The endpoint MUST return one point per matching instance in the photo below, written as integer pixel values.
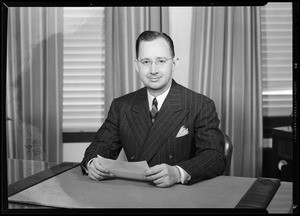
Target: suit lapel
(169, 116)
(139, 117)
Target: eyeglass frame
(151, 61)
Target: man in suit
(181, 140)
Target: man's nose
(153, 68)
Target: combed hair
(152, 35)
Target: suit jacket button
(170, 157)
(132, 157)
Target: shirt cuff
(88, 163)
(184, 176)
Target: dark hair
(150, 36)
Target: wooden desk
(73, 190)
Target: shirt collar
(160, 99)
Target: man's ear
(136, 65)
(175, 63)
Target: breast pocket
(182, 142)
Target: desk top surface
(73, 190)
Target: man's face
(155, 65)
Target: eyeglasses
(159, 61)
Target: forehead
(153, 49)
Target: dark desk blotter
(260, 194)
(39, 177)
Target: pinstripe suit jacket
(128, 125)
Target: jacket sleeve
(106, 142)
(209, 160)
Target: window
(84, 64)
(277, 59)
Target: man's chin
(154, 85)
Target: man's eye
(146, 62)
(161, 61)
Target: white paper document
(123, 169)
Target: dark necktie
(154, 109)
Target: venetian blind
(277, 59)
(84, 64)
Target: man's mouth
(154, 79)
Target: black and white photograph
(141, 108)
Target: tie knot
(154, 102)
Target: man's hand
(163, 175)
(97, 171)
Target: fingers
(97, 171)
(163, 175)
(94, 176)
(163, 184)
(154, 172)
(99, 168)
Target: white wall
(73, 152)
(180, 32)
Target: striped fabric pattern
(128, 125)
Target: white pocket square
(182, 132)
